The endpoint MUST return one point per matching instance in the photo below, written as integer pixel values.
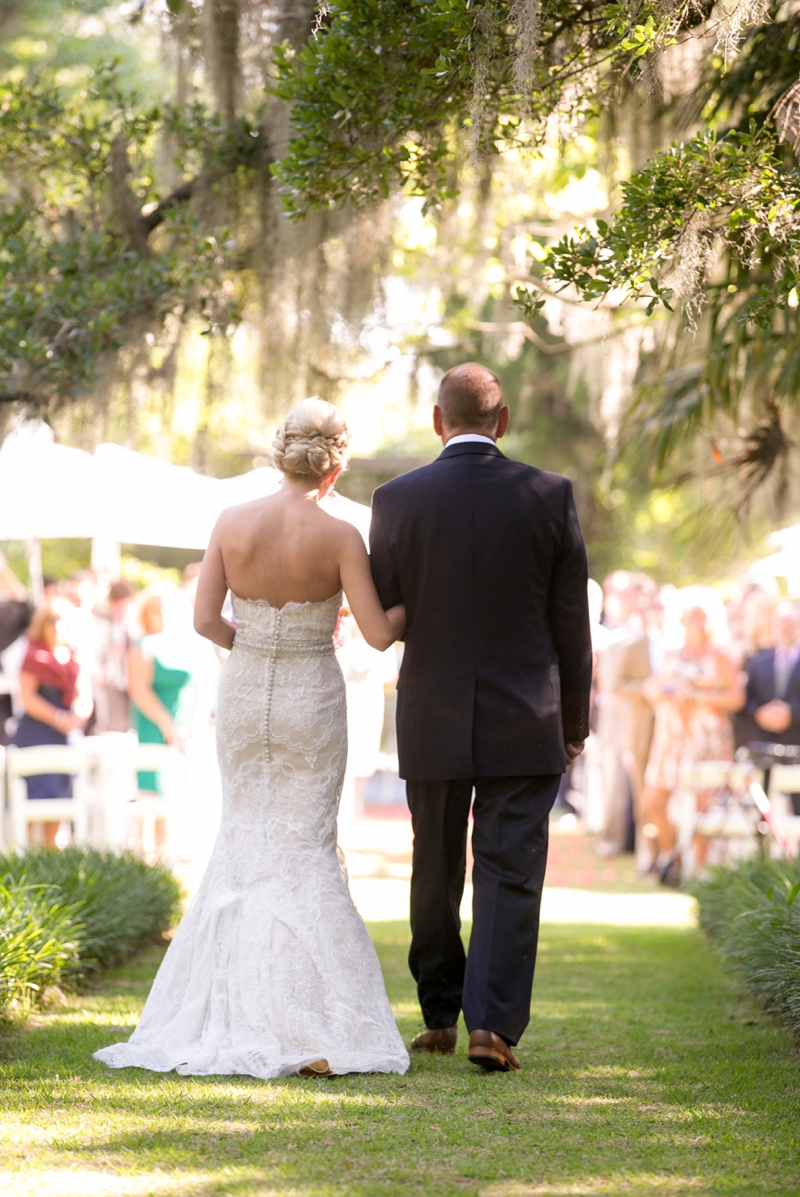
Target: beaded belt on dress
(280, 648)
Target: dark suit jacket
(760, 671)
(487, 555)
(14, 619)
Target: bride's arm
(212, 588)
(378, 627)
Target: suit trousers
(493, 982)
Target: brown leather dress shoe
(443, 1040)
(491, 1052)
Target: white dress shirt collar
(465, 438)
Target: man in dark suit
(487, 555)
(772, 703)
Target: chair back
(22, 810)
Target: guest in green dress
(160, 684)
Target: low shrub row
(66, 914)
(38, 944)
(752, 911)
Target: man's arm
(753, 698)
(793, 700)
(568, 616)
(381, 558)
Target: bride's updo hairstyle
(312, 441)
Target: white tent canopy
(783, 564)
(116, 495)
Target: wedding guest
(48, 684)
(189, 581)
(694, 693)
(773, 685)
(82, 592)
(110, 674)
(735, 601)
(622, 593)
(616, 598)
(16, 610)
(632, 659)
(758, 622)
(757, 637)
(159, 680)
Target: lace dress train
(272, 967)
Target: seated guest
(773, 685)
(48, 684)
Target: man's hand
(774, 716)
(573, 749)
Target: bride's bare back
(282, 550)
(285, 549)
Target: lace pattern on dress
(272, 966)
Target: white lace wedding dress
(272, 967)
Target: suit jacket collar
(470, 447)
(794, 673)
(767, 663)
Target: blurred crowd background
(681, 674)
(100, 656)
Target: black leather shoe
(443, 1040)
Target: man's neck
(466, 435)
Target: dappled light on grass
(617, 1185)
(64, 1182)
(645, 1072)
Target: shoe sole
(433, 1051)
(491, 1061)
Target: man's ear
(438, 423)
(503, 421)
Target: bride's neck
(307, 490)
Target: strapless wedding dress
(272, 967)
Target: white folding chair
(32, 762)
(785, 780)
(112, 757)
(699, 776)
(167, 761)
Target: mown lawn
(646, 1070)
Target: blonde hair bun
(312, 441)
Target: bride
(272, 972)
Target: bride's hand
(397, 620)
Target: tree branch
(156, 216)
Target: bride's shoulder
(338, 532)
(243, 513)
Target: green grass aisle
(645, 1071)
